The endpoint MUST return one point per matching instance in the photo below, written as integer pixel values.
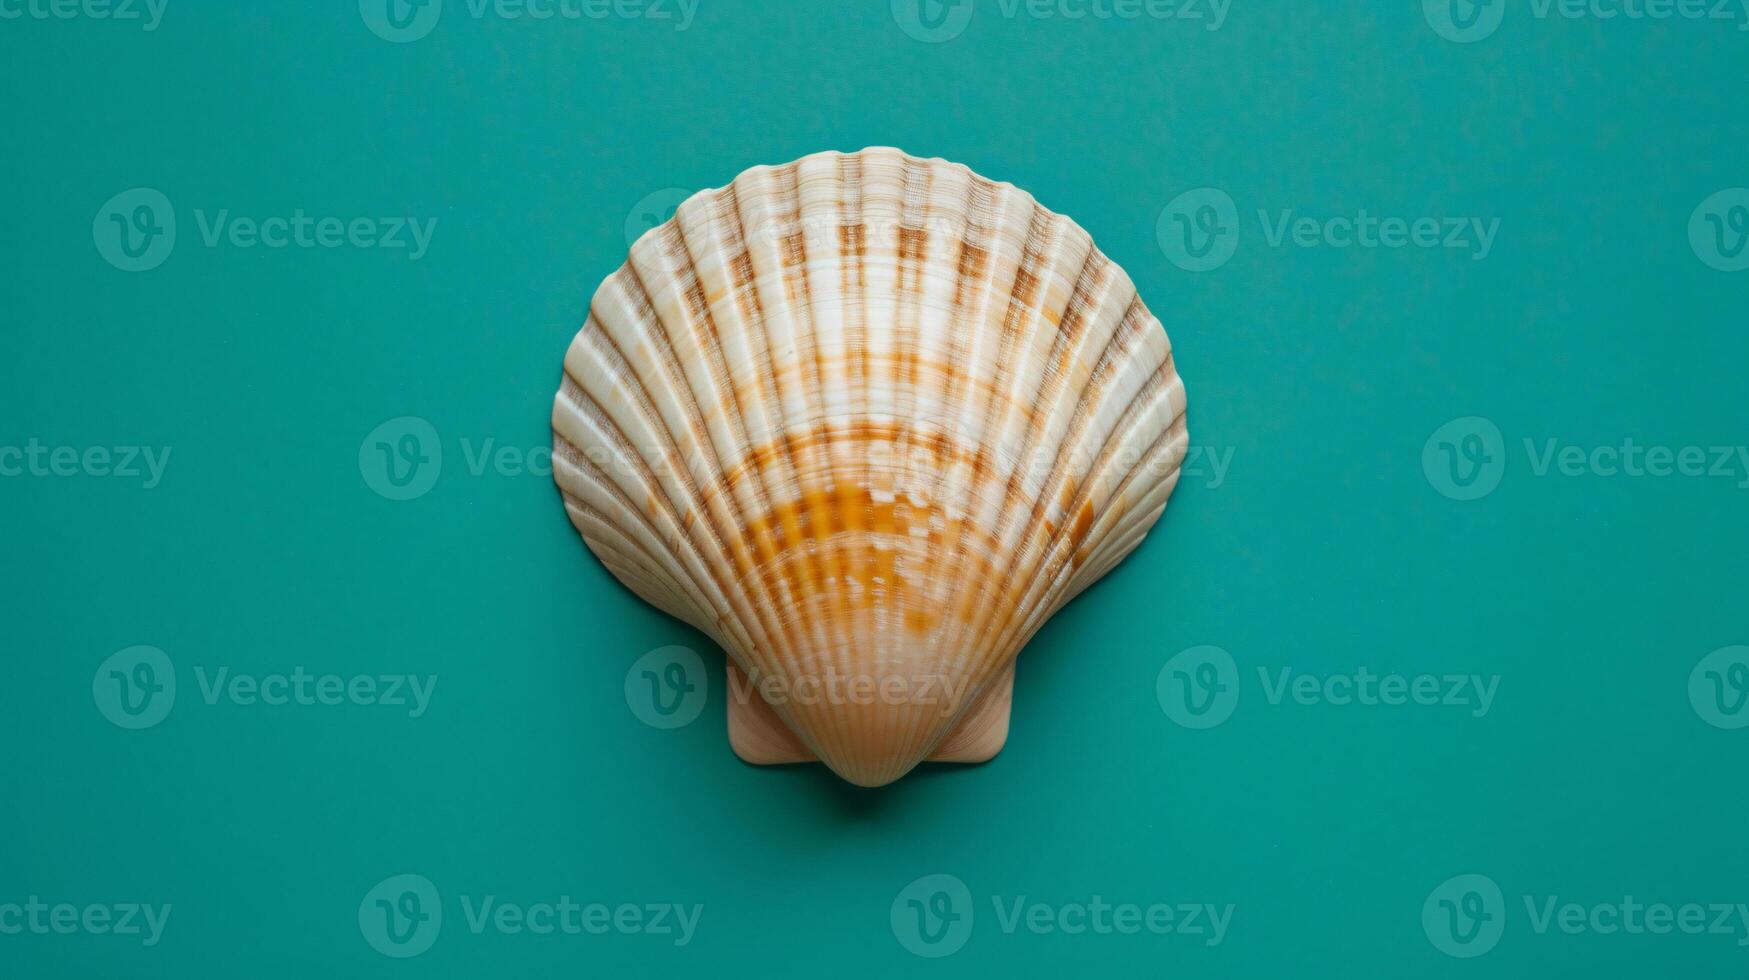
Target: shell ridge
(1056, 560)
(601, 343)
(849, 234)
(1138, 516)
(633, 557)
(757, 507)
(999, 407)
(959, 378)
(1067, 582)
(647, 581)
(988, 509)
(1031, 553)
(947, 634)
(702, 454)
(586, 403)
(785, 200)
(1013, 524)
(777, 520)
(579, 481)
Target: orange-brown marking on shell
(887, 548)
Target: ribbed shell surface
(868, 421)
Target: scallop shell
(867, 421)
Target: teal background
(1326, 549)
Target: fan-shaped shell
(867, 420)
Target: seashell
(867, 421)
